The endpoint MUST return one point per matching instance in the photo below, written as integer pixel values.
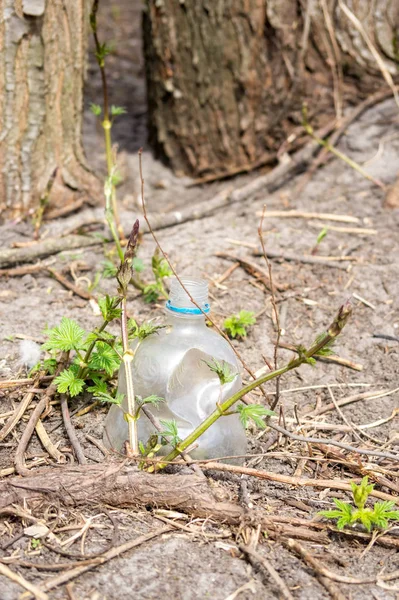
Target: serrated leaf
(68, 382)
(255, 413)
(68, 335)
(106, 397)
(109, 307)
(95, 109)
(222, 370)
(104, 358)
(118, 110)
(109, 269)
(237, 325)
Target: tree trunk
(226, 78)
(42, 64)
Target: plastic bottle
(172, 364)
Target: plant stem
(106, 122)
(334, 330)
(330, 148)
(131, 399)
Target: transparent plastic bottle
(171, 364)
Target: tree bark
(43, 52)
(226, 78)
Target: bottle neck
(184, 320)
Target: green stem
(127, 362)
(333, 331)
(354, 165)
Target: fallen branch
(253, 269)
(230, 195)
(307, 260)
(7, 572)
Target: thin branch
(66, 417)
(275, 309)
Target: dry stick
(310, 260)
(17, 415)
(297, 481)
(354, 428)
(48, 444)
(349, 399)
(334, 138)
(253, 269)
(50, 584)
(249, 371)
(71, 431)
(321, 569)
(275, 310)
(331, 588)
(38, 593)
(349, 161)
(69, 285)
(298, 214)
(224, 198)
(312, 440)
(19, 461)
(386, 74)
(328, 358)
(254, 556)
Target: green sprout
(237, 325)
(170, 432)
(346, 514)
(255, 413)
(161, 270)
(222, 370)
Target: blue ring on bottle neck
(188, 311)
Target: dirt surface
(181, 565)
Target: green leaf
(95, 109)
(361, 492)
(237, 325)
(170, 431)
(118, 110)
(160, 266)
(138, 265)
(100, 386)
(222, 370)
(151, 293)
(48, 366)
(322, 235)
(68, 382)
(66, 336)
(153, 399)
(255, 413)
(107, 398)
(109, 307)
(109, 269)
(104, 358)
(142, 332)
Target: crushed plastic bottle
(171, 363)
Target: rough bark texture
(224, 76)
(119, 486)
(43, 51)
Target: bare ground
(182, 565)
